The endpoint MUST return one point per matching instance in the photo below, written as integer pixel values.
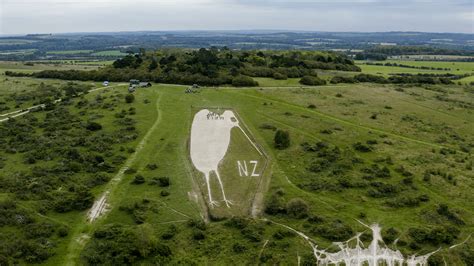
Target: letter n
(243, 171)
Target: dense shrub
(253, 232)
(244, 81)
(361, 147)
(129, 98)
(122, 245)
(274, 205)
(444, 210)
(282, 139)
(390, 235)
(312, 81)
(130, 171)
(279, 76)
(297, 208)
(198, 235)
(334, 231)
(238, 248)
(237, 222)
(93, 126)
(170, 232)
(370, 78)
(435, 236)
(341, 79)
(163, 181)
(407, 201)
(139, 179)
(151, 166)
(381, 190)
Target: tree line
(211, 67)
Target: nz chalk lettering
(244, 170)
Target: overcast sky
(53, 16)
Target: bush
(169, 233)
(361, 147)
(339, 79)
(198, 235)
(238, 248)
(282, 139)
(63, 231)
(444, 210)
(253, 233)
(436, 260)
(93, 126)
(244, 81)
(435, 236)
(334, 231)
(130, 171)
(237, 222)
(116, 244)
(274, 205)
(268, 126)
(139, 179)
(297, 208)
(199, 224)
(370, 78)
(407, 201)
(164, 181)
(163, 250)
(129, 98)
(312, 81)
(151, 166)
(280, 76)
(381, 190)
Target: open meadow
(419, 67)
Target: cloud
(33, 16)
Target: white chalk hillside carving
(377, 253)
(210, 139)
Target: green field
(71, 52)
(384, 154)
(39, 66)
(15, 41)
(88, 52)
(109, 53)
(454, 67)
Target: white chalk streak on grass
(263, 248)
(253, 143)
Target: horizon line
(2, 35)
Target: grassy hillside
(397, 155)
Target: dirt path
(100, 206)
(83, 232)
